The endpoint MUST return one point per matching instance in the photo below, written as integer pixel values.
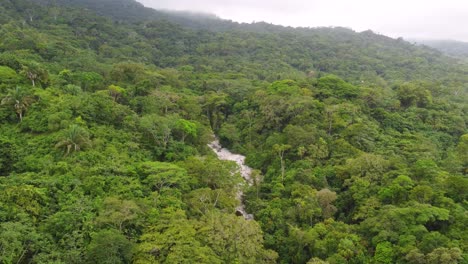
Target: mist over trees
(449, 47)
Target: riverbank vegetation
(358, 142)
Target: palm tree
(35, 73)
(18, 100)
(75, 138)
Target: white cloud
(408, 18)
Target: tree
(157, 130)
(109, 247)
(425, 169)
(307, 206)
(19, 100)
(367, 165)
(335, 242)
(215, 104)
(8, 75)
(205, 200)
(116, 92)
(333, 86)
(422, 194)
(413, 93)
(462, 151)
(415, 257)
(19, 241)
(212, 172)
(173, 240)
(185, 128)
(319, 151)
(257, 179)
(118, 213)
(340, 116)
(163, 100)
(23, 200)
(316, 261)
(163, 175)
(325, 198)
(127, 72)
(55, 12)
(235, 239)
(34, 72)
(8, 156)
(457, 187)
(280, 151)
(384, 253)
(444, 256)
(74, 139)
(398, 191)
(89, 81)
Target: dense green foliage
(359, 142)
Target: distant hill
(117, 9)
(251, 49)
(132, 12)
(449, 47)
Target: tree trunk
(330, 122)
(282, 167)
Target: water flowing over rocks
(244, 170)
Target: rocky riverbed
(244, 170)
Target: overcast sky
(428, 19)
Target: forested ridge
(358, 142)
(450, 47)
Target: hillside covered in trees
(449, 47)
(358, 142)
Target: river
(244, 170)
